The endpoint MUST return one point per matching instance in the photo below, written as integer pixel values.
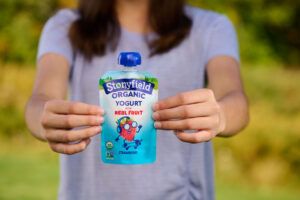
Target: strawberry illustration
(127, 130)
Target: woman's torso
(182, 170)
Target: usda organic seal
(109, 145)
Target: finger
(71, 121)
(70, 148)
(62, 135)
(186, 111)
(67, 107)
(195, 96)
(196, 137)
(186, 124)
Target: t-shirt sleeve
(54, 37)
(222, 40)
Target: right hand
(58, 119)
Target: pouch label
(128, 134)
(128, 84)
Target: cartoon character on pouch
(128, 131)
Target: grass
(28, 172)
(28, 177)
(32, 173)
(232, 191)
(260, 163)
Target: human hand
(58, 119)
(195, 110)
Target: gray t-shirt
(182, 171)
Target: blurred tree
(268, 30)
(20, 26)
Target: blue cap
(129, 59)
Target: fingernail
(155, 116)
(98, 128)
(157, 125)
(100, 111)
(100, 120)
(155, 106)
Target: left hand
(196, 110)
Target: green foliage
(152, 80)
(11, 120)
(268, 30)
(102, 81)
(20, 26)
(267, 151)
(15, 86)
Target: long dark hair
(97, 27)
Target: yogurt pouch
(128, 133)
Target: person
(183, 46)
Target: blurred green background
(262, 162)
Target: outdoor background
(262, 162)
